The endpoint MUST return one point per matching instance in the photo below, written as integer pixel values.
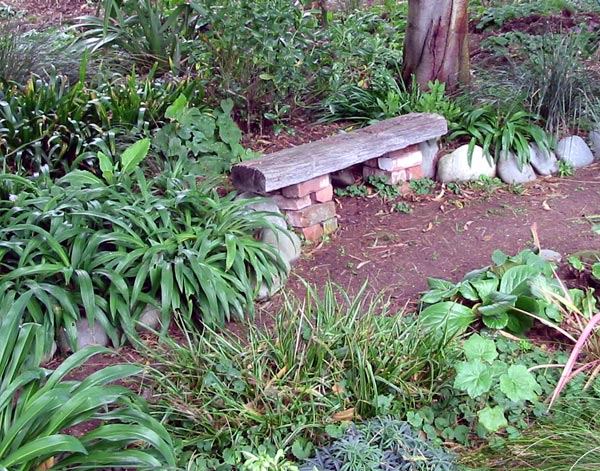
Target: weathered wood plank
(301, 163)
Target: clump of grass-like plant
(327, 359)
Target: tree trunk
(436, 43)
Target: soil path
(447, 235)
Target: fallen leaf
(439, 196)
(428, 228)
(345, 415)
(467, 224)
(546, 206)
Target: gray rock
(550, 255)
(511, 171)
(266, 205)
(343, 178)
(543, 161)
(285, 242)
(455, 166)
(594, 138)
(429, 149)
(265, 293)
(86, 335)
(574, 151)
(150, 318)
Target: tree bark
(436, 43)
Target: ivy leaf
(519, 384)
(474, 377)
(492, 418)
(477, 348)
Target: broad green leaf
(485, 287)
(492, 418)
(446, 318)
(134, 154)
(478, 348)
(106, 166)
(474, 377)
(516, 280)
(499, 257)
(596, 270)
(498, 320)
(174, 111)
(468, 292)
(519, 384)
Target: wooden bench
(298, 178)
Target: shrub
(38, 407)
(328, 360)
(108, 248)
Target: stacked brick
(397, 167)
(309, 207)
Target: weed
(422, 186)
(402, 207)
(353, 191)
(565, 169)
(386, 191)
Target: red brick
(330, 225)
(306, 188)
(311, 215)
(393, 178)
(312, 233)
(414, 172)
(295, 204)
(322, 196)
(400, 160)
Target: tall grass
(327, 359)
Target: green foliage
(569, 439)
(382, 443)
(261, 68)
(496, 16)
(327, 360)
(501, 132)
(402, 207)
(212, 139)
(565, 169)
(508, 295)
(381, 186)
(482, 373)
(497, 393)
(109, 248)
(51, 123)
(385, 97)
(38, 407)
(422, 186)
(353, 191)
(144, 29)
(264, 461)
(547, 73)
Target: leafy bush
(508, 295)
(498, 392)
(38, 407)
(108, 248)
(500, 132)
(213, 140)
(496, 16)
(328, 360)
(380, 444)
